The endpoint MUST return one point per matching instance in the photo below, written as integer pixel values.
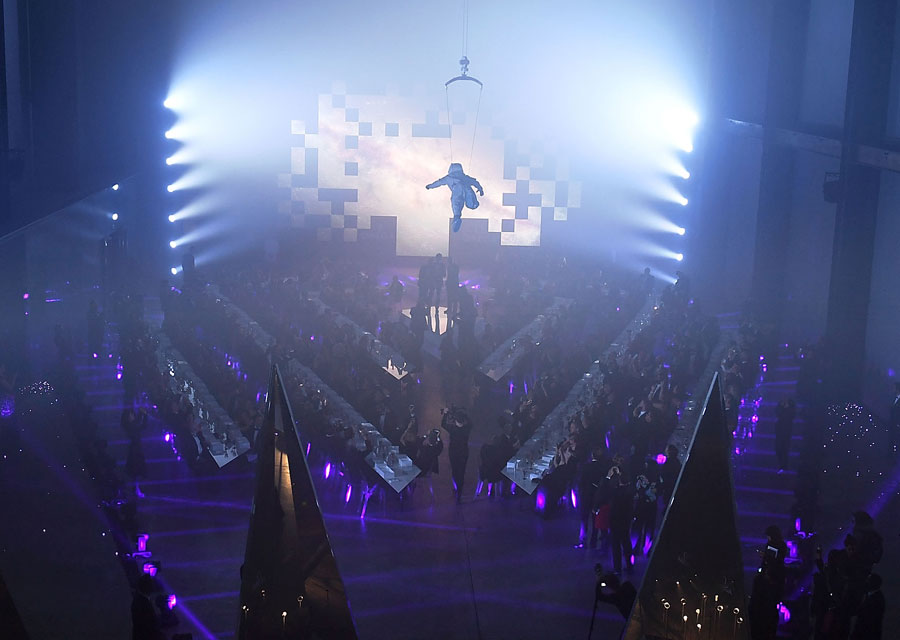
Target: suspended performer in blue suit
(462, 191)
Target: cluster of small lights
(852, 444)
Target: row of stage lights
(170, 104)
(681, 124)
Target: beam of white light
(683, 201)
(178, 132)
(196, 177)
(181, 156)
(657, 222)
(115, 216)
(174, 271)
(201, 233)
(201, 205)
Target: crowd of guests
(610, 456)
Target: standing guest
(869, 542)
(592, 475)
(870, 614)
(426, 284)
(427, 455)
(785, 412)
(457, 424)
(144, 619)
(620, 513)
(452, 287)
(768, 587)
(438, 273)
(645, 486)
(395, 291)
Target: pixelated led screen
(372, 155)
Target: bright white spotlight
(170, 134)
(172, 218)
(679, 257)
(115, 187)
(171, 188)
(681, 231)
(170, 160)
(173, 244)
(682, 201)
(115, 217)
(685, 174)
(169, 103)
(173, 271)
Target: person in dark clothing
(785, 412)
(457, 424)
(452, 287)
(768, 587)
(427, 454)
(668, 474)
(870, 614)
(869, 541)
(592, 476)
(620, 513)
(144, 619)
(645, 492)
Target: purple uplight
(512, 387)
(349, 492)
(891, 373)
(167, 437)
(660, 458)
(25, 296)
(327, 470)
(118, 375)
(171, 601)
(308, 445)
(150, 569)
(573, 498)
(754, 418)
(797, 525)
(95, 356)
(761, 358)
(142, 541)
(783, 612)
(792, 548)
(312, 338)
(540, 502)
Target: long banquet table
(395, 469)
(505, 357)
(223, 440)
(529, 464)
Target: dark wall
(94, 74)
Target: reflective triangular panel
(290, 584)
(695, 567)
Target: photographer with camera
(455, 421)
